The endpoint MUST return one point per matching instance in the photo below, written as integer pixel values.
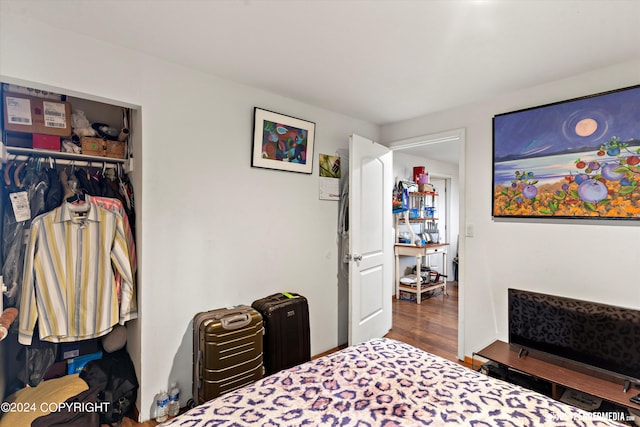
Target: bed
(383, 382)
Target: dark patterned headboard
(601, 335)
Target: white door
(370, 239)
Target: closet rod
(17, 153)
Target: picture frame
(577, 159)
(282, 142)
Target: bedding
(383, 382)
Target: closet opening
(68, 153)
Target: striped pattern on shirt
(68, 281)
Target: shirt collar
(66, 212)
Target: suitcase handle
(236, 321)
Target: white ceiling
(380, 61)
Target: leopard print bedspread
(387, 383)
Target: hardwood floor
(431, 326)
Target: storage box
(36, 115)
(46, 142)
(38, 93)
(74, 366)
(425, 188)
(407, 296)
(18, 139)
(93, 146)
(102, 147)
(116, 149)
(69, 350)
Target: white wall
(588, 260)
(213, 232)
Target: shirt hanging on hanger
(68, 282)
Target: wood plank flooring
(431, 326)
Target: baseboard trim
(333, 350)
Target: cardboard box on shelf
(46, 142)
(424, 188)
(36, 115)
(38, 93)
(93, 146)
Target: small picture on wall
(282, 142)
(329, 177)
(573, 159)
(329, 166)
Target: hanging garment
(54, 194)
(68, 282)
(37, 358)
(87, 184)
(13, 250)
(29, 179)
(115, 205)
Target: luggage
(286, 326)
(227, 351)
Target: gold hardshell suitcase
(227, 351)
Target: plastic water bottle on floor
(162, 406)
(174, 400)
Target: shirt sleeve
(122, 263)
(28, 310)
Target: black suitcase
(227, 351)
(286, 330)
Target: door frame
(453, 136)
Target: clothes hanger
(77, 198)
(17, 172)
(7, 171)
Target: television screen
(600, 335)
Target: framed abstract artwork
(282, 142)
(578, 158)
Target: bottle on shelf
(162, 403)
(174, 400)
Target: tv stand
(561, 376)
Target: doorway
(444, 155)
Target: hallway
(431, 326)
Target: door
(370, 239)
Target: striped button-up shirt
(68, 282)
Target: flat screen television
(595, 335)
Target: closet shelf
(21, 153)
